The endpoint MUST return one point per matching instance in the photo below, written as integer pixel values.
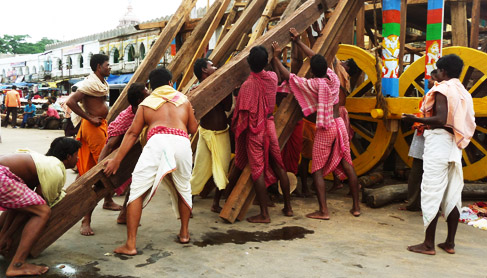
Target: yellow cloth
(162, 95)
(51, 174)
(91, 86)
(213, 155)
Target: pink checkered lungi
(330, 147)
(346, 120)
(14, 193)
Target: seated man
(31, 183)
(49, 114)
(170, 117)
(29, 112)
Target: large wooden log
(376, 198)
(459, 21)
(154, 56)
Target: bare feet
(86, 228)
(216, 209)
(183, 240)
(319, 215)
(259, 219)
(124, 249)
(447, 247)
(336, 186)
(355, 212)
(422, 248)
(112, 206)
(24, 269)
(287, 211)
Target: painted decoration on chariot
(434, 38)
(391, 30)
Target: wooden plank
(246, 206)
(229, 43)
(154, 56)
(402, 37)
(229, 20)
(459, 21)
(474, 31)
(202, 44)
(264, 20)
(188, 26)
(183, 59)
(360, 28)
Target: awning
(19, 79)
(119, 79)
(52, 84)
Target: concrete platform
(373, 245)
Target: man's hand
(409, 117)
(294, 34)
(111, 167)
(277, 50)
(96, 121)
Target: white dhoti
(164, 154)
(442, 183)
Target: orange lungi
(309, 130)
(93, 140)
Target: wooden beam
(459, 23)
(402, 37)
(360, 28)
(154, 56)
(183, 59)
(474, 31)
(188, 26)
(264, 20)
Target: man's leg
(109, 204)
(452, 220)
(24, 121)
(14, 117)
(337, 183)
(286, 191)
(428, 246)
(414, 185)
(354, 188)
(215, 207)
(303, 173)
(30, 234)
(321, 194)
(134, 212)
(261, 193)
(184, 214)
(7, 115)
(122, 216)
(233, 177)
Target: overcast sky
(68, 19)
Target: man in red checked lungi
(331, 148)
(255, 133)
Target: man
(92, 93)
(116, 131)
(70, 130)
(450, 122)
(49, 114)
(213, 149)
(331, 149)
(29, 112)
(255, 133)
(12, 102)
(31, 183)
(170, 118)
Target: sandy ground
(373, 245)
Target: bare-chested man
(213, 150)
(92, 94)
(31, 183)
(170, 118)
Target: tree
(16, 44)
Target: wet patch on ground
(71, 271)
(155, 257)
(242, 237)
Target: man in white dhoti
(170, 118)
(450, 124)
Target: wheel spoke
(481, 129)
(464, 72)
(479, 146)
(359, 88)
(465, 158)
(354, 150)
(418, 87)
(408, 133)
(361, 133)
(477, 84)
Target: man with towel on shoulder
(450, 124)
(170, 118)
(92, 94)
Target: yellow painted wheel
(371, 141)
(474, 77)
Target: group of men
(164, 121)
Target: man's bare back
(169, 115)
(23, 166)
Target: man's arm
(128, 141)
(72, 103)
(276, 62)
(192, 123)
(111, 145)
(18, 100)
(440, 117)
(295, 37)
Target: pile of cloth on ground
(475, 215)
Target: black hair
(353, 69)
(14, 87)
(258, 58)
(135, 93)
(159, 77)
(319, 66)
(97, 59)
(433, 72)
(452, 64)
(74, 88)
(61, 147)
(199, 65)
(45, 105)
(53, 99)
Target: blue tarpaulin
(119, 79)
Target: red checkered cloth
(315, 95)
(14, 193)
(330, 147)
(166, 130)
(121, 124)
(346, 120)
(292, 150)
(255, 132)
